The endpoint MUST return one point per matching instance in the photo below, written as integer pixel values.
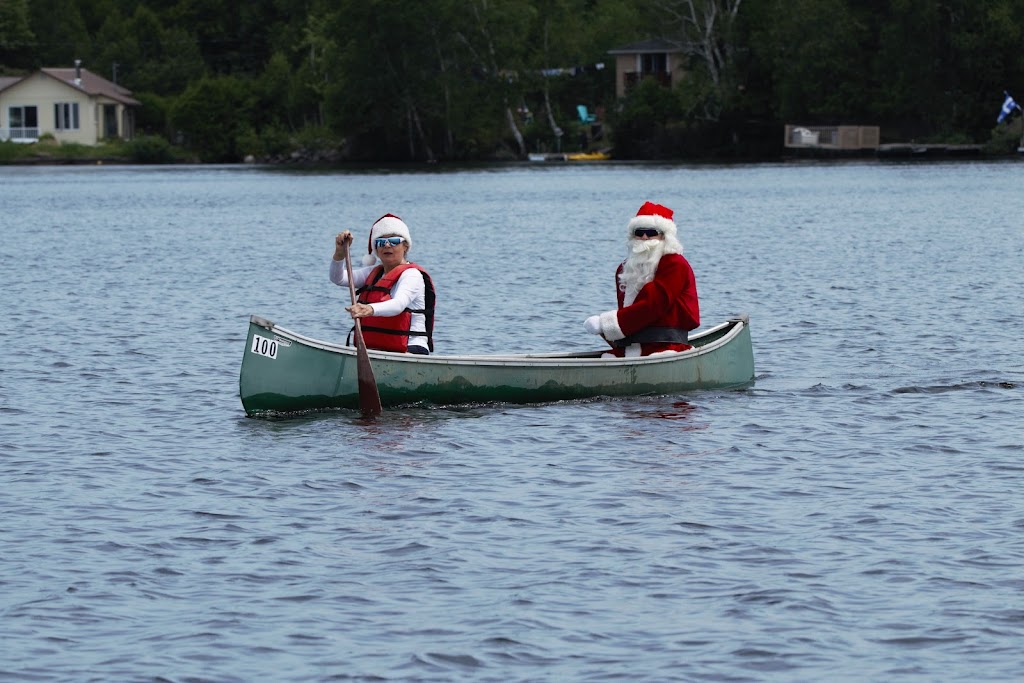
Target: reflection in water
(680, 410)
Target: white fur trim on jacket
(610, 329)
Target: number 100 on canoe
(263, 346)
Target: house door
(110, 120)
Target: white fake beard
(640, 267)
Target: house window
(654, 63)
(65, 115)
(24, 122)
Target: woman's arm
(339, 274)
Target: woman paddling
(395, 297)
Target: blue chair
(585, 116)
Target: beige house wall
(43, 92)
(627, 64)
(675, 67)
(624, 64)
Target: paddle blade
(369, 397)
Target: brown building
(658, 59)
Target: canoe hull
(283, 371)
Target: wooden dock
(910, 150)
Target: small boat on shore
(571, 156)
(588, 156)
(285, 372)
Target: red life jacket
(392, 333)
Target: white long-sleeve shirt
(409, 292)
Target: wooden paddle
(369, 397)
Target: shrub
(1004, 138)
(75, 150)
(151, 149)
(11, 151)
(210, 115)
(317, 137)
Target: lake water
(857, 515)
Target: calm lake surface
(857, 515)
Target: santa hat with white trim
(653, 215)
(388, 224)
(659, 217)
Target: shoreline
(888, 152)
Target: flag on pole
(1008, 106)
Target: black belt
(654, 335)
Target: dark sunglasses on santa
(393, 241)
(646, 232)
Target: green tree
(274, 93)
(492, 33)
(820, 67)
(16, 35)
(644, 125)
(116, 48)
(211, 115)
(559, 41)
(61, 33)
(148, 55)
(390, 76)
(169, 56)
(705, 29)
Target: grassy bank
(144, 150)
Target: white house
(73, 105)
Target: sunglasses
(646, 232)
(382, 241)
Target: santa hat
(653, 215)
(388, 224)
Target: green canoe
(285, 372)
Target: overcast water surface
(856, 515)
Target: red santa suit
(655, 311)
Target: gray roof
(647, 46)
(90, 84)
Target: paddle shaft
(369, 397)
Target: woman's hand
(341, 243)
(360, 310)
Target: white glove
(593, 324)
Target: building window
(24, 122)
(65, 115)
(654, 63)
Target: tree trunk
(555, 129)
(510, 117)
(704, 28)
(415, 122)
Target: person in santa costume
(656, 291)
(395, 298)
